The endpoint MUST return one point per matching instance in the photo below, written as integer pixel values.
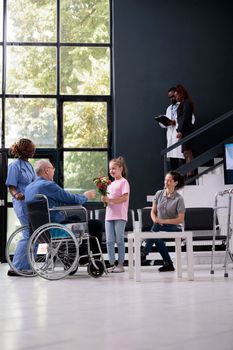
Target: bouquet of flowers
(102, 183)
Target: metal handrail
(194, 134)
(198, 131)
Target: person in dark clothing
(184, 119)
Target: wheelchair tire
(73, 272)
(92, 271)
(10, 250)
(53, 251)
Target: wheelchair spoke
(56, 258)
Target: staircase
(202, 194)
(207, 143)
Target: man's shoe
(166, 267)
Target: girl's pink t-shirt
(118, 211)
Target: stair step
(216, 171)
(216, 160)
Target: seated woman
(167, 214)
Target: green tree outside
(84, 70)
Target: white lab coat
(171, 133)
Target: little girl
(116, 212)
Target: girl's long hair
(120, 161)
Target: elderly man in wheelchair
(60, 236)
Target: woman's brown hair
(183, 95)
(20, 149)
(177, 177)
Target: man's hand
(90, 194)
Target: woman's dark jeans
(160, 244)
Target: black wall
(158, 44)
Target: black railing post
(165, 163)
(193, 135)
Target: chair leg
(189, 247)
(178, 257)
(130, 256)
(137, 257)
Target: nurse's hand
(19, 196)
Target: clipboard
(162, 119)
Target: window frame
(60, 99)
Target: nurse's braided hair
(121, 163)
(18, 148)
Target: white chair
(134, 248)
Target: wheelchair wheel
(53, 251)
(95, 268)
(22, 260)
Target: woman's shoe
(166, 267)
(12, 273)
(25, 272)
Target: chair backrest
(91, 207)
(200, 221)
(38, 212)
(144, 218)
(130, 223)
(100, 215)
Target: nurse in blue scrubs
(20, 174)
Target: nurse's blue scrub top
(20, 174)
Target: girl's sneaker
(110, 268)
(118, 269)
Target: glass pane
(31, 20)
(85, 21)
(0, 123)
(1, 18)
(31, 70)
(85, 124)
(9, 197)
(31, 118)
(12, 222)
(80, 168)
(32, 161)
(85, 71)
(0, 69)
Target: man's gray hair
(40, 166)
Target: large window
(34, 118)
(55, 89)
(56, 72)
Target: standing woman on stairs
(185, 120)
(20, 174)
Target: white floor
(115, 313)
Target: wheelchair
(56, 250)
